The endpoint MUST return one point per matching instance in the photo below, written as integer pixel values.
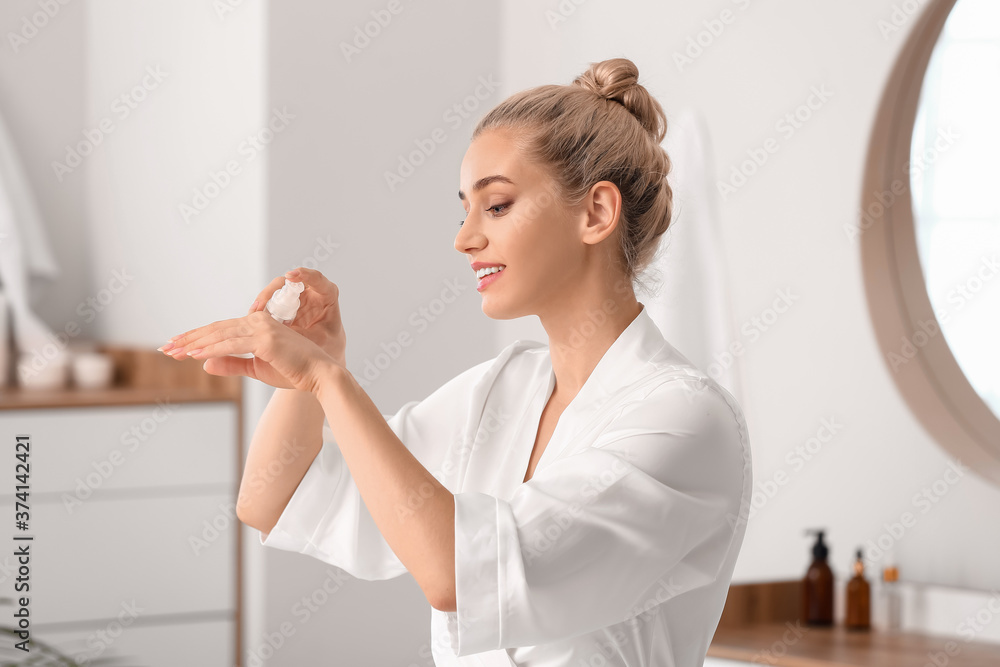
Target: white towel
(693, 305)
(24, 209)
(24, 247)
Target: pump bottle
(817, 587)
(284, 303)
(282, 306)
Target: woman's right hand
(318, 319)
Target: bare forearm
(390, 479)
(287, 439)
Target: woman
(580, 503)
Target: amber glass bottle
(817, 587)
(858, 616)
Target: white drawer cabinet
(131, 508)
(192, 444)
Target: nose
(468, 241)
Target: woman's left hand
(295, 359)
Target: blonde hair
(604, 126)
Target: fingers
(208, 335)
(227, 365)
(313, 279)
(266, 294)
(218, 348)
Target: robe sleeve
(589, 540)
(326, 517)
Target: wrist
(337, 357)
(332, 377)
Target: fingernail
(194, 352)
(165, 347)
(254, 306)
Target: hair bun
(617, 80)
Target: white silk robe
(618, 551)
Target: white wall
(783, 229)
(196, 81)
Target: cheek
(526, 249)
(538, 249)
(549, 250)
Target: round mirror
(929, 227)
(956, 207)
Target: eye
(492, 208)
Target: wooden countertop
(141, 376)
(760, 624)
(797, 645)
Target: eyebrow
(483, 182)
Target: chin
(500, 308)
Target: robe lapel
(626, 362)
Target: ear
(602, 211)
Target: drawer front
(87, 451)
(167, 554)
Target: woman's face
(515, 218)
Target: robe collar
(629, 359)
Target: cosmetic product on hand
(817, 587)
(284, 303)
(282, 306)
(858, 616)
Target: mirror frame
(931, 381)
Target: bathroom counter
(760, 624)
(71, 397)
(141, 376)
(791, 644)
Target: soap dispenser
(817, 587)
(858, 615)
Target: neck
(580, 332)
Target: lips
(488, 273)
(485, 265)
(489, 279)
